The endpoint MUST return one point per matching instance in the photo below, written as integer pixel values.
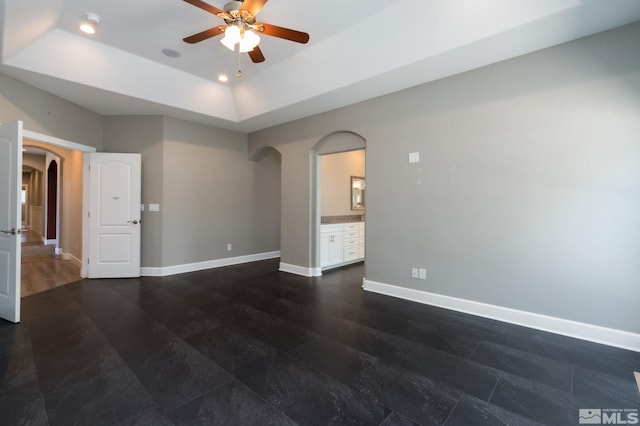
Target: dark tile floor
(249, 345)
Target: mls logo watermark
(590, 416)
(608, 416)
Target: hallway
(42, 269)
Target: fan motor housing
(232, 5)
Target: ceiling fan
(241, 28)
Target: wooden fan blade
(205, 6)
(211, 32)
(256, 55)
(284, 33)
(253, 6)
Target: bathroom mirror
(357, 193)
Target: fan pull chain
(239, 73)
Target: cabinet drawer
(351, 241)
(352, 234)
(330, 229)
(351, 226)
(351, 253)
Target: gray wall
(528, 191)
(45, 113)
(210, 193)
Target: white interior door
(114, 215)
(10, 219)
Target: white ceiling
(358, 50)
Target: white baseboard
(209, 264)
(590, 332)
(69, 256)
(300, 270)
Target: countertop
(325, 220)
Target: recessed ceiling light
(171, 53)
(90, 23)
(223, 78)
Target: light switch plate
(414, 157)
(141, 207)
(154, 207)
(422, 274)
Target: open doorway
(52, 236)
(342, 208)
(338, 226)
(42, 266)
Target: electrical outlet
(422, 274)
(414, 272)
(229, 247)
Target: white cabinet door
(331, 245)
(10, 212)
(331, 249)
(336, 250)
(114, 215)
(325, 243)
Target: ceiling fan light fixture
(90, 23)
(242, 29)
(246, 39)
(228, 43)
(231, 37)
(249, 41)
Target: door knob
(12, 231)
(135, 222)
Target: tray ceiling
(358, 51)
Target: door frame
(74, 146)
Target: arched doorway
(267, 192)
(333, 143)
